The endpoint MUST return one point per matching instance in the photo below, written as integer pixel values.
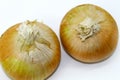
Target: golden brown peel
(89, 33)
(29, 51)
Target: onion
(89, 33)
(29, 51)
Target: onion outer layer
(20, 64)
(76, 37)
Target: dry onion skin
(29, 51)
(89, 33)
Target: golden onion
(89, 33)
(29, 51)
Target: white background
(51, 13)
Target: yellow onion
(29, 51)
(89, 33)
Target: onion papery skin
(96, 47)
(21, 66)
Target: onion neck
(87, 28)
(30, 36)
